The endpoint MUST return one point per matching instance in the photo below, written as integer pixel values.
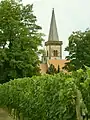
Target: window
(55, 53)
(47, 53)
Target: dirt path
(4, 115)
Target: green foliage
(19, 41)
(85, 90)
(82, 81)
(48, 97)
(40, 98)
(79, 50)
(58, 69)
(51, 69)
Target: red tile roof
(44, 68)
(61, 63)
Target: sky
(71, 15)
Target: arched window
(55, 53)
(47, 53)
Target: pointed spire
(53, 34)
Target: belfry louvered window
(47, 53)
(55, 53)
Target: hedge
(47, 97)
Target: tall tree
(58, 69)
(51, 69)
(19, 41)
(79, 50)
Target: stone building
(53, 48)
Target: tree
(51, 69)
(81, 80)
(79, 50)
(19, 41)
(58, 69)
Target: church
(53, 49)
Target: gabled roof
(61, 63)
(53, 34)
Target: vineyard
(48, 97)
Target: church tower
(53, 45)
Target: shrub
(47, 97)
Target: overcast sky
(71, 15)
